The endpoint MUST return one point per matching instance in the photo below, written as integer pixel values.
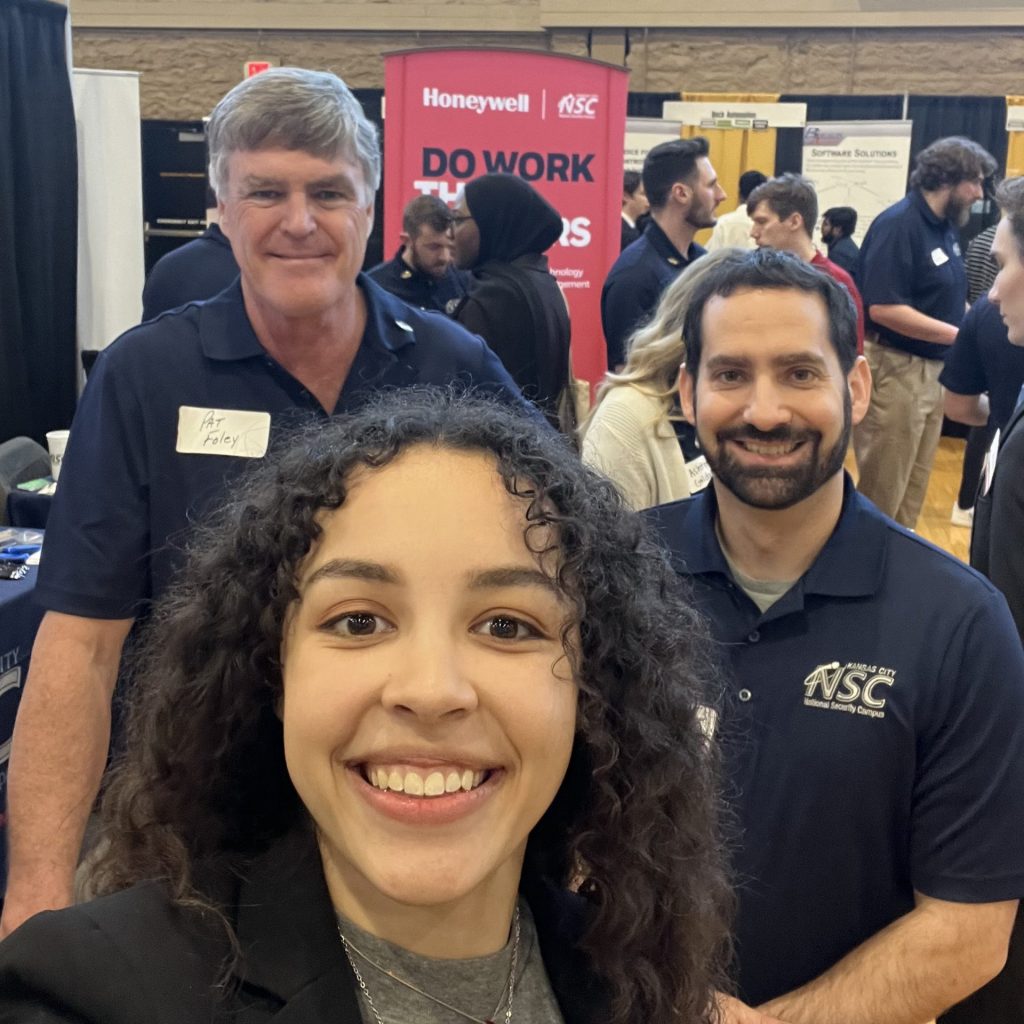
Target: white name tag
(939, 256)
(699, 473)
(235, 432)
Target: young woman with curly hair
(416, 738)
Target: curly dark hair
(636, 817)
(949, 161)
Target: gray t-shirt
(477, 985)
(764, 593)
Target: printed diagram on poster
(556, 121)
(643, 134)
(863, 164)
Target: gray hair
(292, 108)
(1010, 197)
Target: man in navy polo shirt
(872, 722)
(423, 271)
(196, 270)
(176, 408)
(683, 191)
(914, 285)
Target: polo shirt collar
(226, 334)
(918, 199)
(403, 269)
(851, 563)
(666, 250)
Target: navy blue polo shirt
(910, 257)
(983, 359)
(419, 289)
(196, 270)
(633, 286)
(872, 727)
(127, 496)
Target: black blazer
(137, 958)
(997, 550)
(997, 543)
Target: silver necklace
(509, 986)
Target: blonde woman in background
(635, 434)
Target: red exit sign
(254, 67)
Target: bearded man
(423, 271)
(872, 717)
(914, 285)
(683, 190)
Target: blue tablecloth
(19, 619)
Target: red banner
(558, 122)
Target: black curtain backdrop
(648, 104)
(981, 118)
(378, 248)
(38, 221)
(789, 141)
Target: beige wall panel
(571, 43)
(371, 15)
(972, 62)
(185, 73)
(782, 13)
(828, 61)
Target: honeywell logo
(518, 104)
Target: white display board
(862, 164)
(643, 134)
(111, 257)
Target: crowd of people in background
(435, 692)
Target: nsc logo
(855, 688)
(579, 105)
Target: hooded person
(503, 227)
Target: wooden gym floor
(933, 523)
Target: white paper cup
(56, 441)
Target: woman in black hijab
(503, 227)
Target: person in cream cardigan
(635, 434)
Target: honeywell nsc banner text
(558, 122)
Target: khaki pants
(895, 443)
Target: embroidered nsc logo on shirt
(854, 688)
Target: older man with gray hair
(176, 408)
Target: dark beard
(701, 217)
(957, 213)
(769, 487)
